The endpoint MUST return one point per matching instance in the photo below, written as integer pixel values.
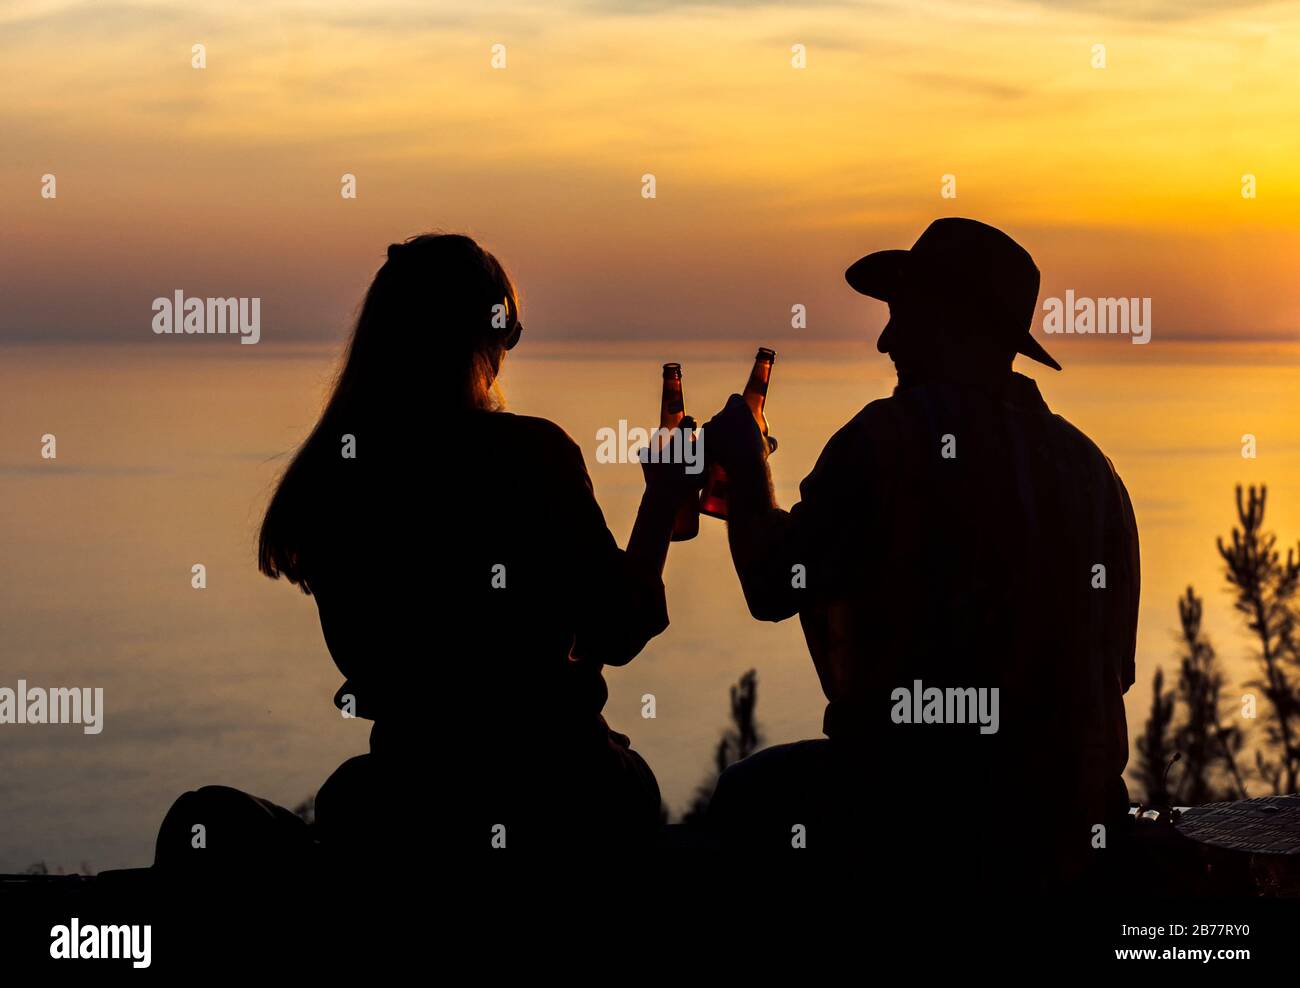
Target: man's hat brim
(1032, 349)
(880, 275)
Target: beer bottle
(713, 499)
(672, 410)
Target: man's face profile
(912, 336)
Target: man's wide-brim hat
(963, 259)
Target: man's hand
(733, 440)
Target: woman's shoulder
(528, 430)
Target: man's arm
(764, 549)
(763, 538)
(832, 537)
(1126, 533)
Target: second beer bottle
(713, 499)
(672, 410)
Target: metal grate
(1267, 825)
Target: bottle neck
(672, 406)
(756, 392)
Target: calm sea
(166, 455)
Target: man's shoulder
(890, 421)
(1067, 433)
(864, 439)
(877, 421)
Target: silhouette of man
(964, 564)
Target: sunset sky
(225, 181)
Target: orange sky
(1123, 180)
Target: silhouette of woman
(468, 588)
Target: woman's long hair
(427, 345)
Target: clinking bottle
(713, 499)
(672, 410)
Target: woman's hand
(673, 465)
(674, 474)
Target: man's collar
(1015, 389)
(1023, 392)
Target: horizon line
(869, 336)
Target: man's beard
(907, 378)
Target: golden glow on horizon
(770, 179)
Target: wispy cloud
(1158, 10)
(226, 180)
(987, 88)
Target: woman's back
(473, 620)
(468, 587)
